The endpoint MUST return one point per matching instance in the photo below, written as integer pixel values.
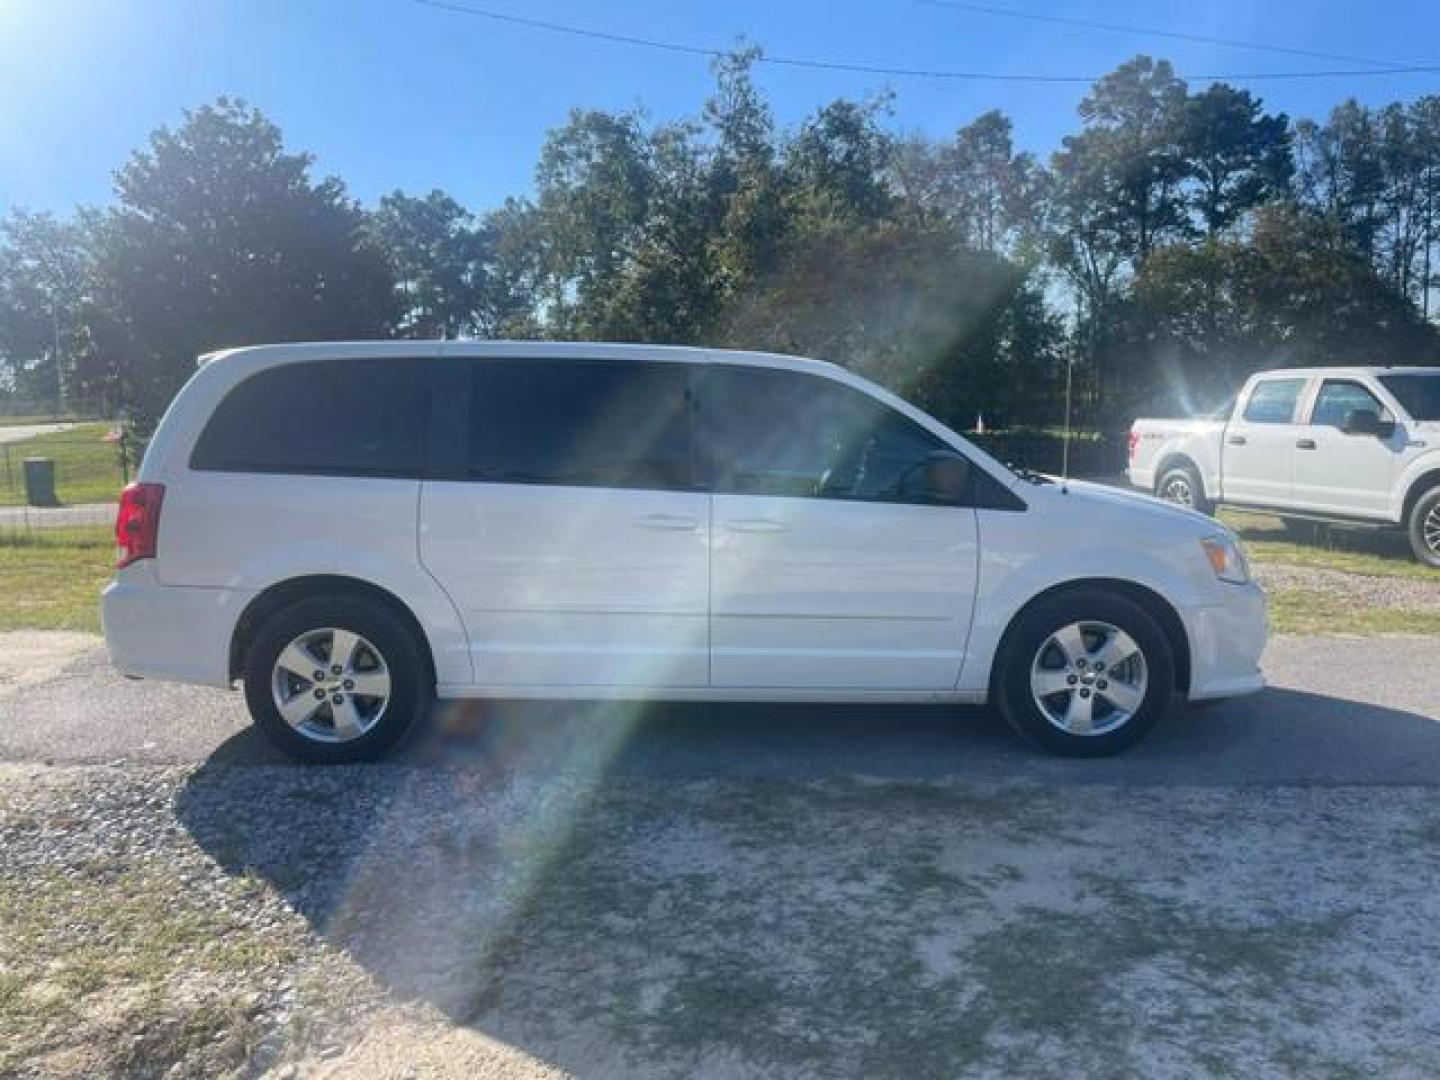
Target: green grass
(50, 579)
(1377, 552)
(87, 469)
(1309, 611)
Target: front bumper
(169, 631)
(1226, 641)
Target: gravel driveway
(678, 892)
(1364, 590)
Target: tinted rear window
(327, 417)
(580, 423)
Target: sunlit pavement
(610, 890)
(1339, 711)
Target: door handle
(1305, 444)
(756, 525)
(1236, 440)
(668, 522)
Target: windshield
(1419, 395)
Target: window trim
(427, 366)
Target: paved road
(56, 517)
(21, 432)
(1339, 711)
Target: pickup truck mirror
(1366, 422)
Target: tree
(438, 259)
(1236, 156)
(1128, 158)
(745, 180)
(594, 186)
(46, 273)
(219, 238)
(836, 167)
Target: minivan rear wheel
(334, 679)
(1085, 673)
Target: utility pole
(59, 360)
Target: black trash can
(40, 481)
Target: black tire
(392, 640)
(1021, 651)
(1423, 528)
(1181, 484)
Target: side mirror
(1366, 422)
(942, 477)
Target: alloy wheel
(1088, 678)
(1177, 490)
(331, 685)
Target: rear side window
(326, 417)
(580, 423)
(1273, 401)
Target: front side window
(581, 423)
(783, 433)
(1340, 397)
(360, 417)
(1419, 395)
(1273, 401)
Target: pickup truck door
(1257, 448)
(1336, 473)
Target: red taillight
(137, 526)
(1134, 443)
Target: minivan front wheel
(334, 679)
(1086, 673)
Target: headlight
(1226, 559)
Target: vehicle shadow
(622, 890)
(1280, 736)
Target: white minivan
(350, 529)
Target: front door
(572, 536)
(822, 574)
(1336, 473)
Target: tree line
(1175, 242)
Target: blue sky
(389, 94)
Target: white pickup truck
(1357, 446)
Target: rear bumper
(169, 631)
(1226, 641)
(1144, 479)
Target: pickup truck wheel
(334, 679)
(1085, 674)
(1182, 485)
(1424, 528)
